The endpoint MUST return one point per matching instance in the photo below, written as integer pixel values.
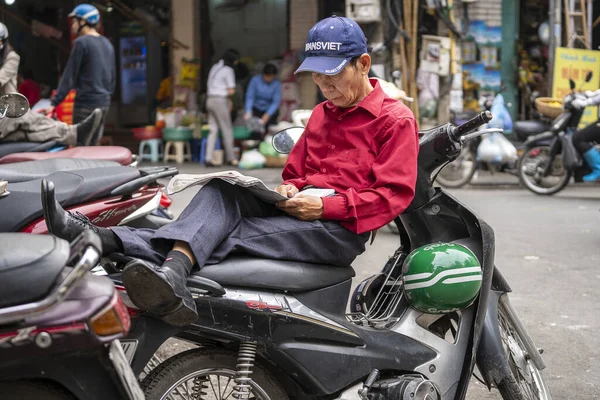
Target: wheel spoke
(213, 388)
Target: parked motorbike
(19, 152)
(279, 329)
(541, 168)
(106, 192)
(462, 170)
(60, 325)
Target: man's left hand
(305, 208)
(265, 118)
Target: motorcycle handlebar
(471, 125)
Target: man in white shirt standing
(221, 85)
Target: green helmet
(441, 278)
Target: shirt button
(333, 147)
(324, 170)
(347, 152)
(339, 118)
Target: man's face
(343, 89)
(268, 78)
(75, 26)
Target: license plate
(126, 376)
(129, 348)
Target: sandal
(233, 163)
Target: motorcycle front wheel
(531, 170)
(460, 171)
(526, 381)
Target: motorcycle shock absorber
(246, 356)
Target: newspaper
(254, 185)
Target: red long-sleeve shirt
(367, 153)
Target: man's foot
(87, 127)
(69, 226)
(62, 223)
(161, 291)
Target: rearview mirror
(13, 105)
(572, 84)
(284, 140)
(588, 76)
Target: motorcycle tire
(28, 390)
(531, 186)
(515, 386)
(169, 375)
(443, 179)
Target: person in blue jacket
(263, 97)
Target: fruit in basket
(554, 104)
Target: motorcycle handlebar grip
(472, 124)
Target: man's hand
(305, 208)
(265, 118)
(247, 116)
(287, 190)
(49, 111)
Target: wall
(184, 28)
(303, 15)
(258, 30)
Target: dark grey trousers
(223, 219)
(81, 112)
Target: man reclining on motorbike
(36, 127)
(359, 142)
(590, 133)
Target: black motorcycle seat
(30, 170)
(24, 204)
(524, 129)
(260, 273)
(29, 266)
(7, 148)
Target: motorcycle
(461, 171)
(106, 192)
(60, 325)
(280, 330)
(26, 151)
(541, 168)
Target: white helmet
(3, 31)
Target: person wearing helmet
(10, 63)
(90, 71)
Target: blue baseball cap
(331, 43)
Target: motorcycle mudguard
(492, 361)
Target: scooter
(277, 330)
(106, 192)
(60, 325)
(541, 169)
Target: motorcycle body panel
(104, 213)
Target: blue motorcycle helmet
(86, 13)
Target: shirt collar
(372, 103)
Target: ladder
(578, 31)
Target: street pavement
(548, 250)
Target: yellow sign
(575, 64)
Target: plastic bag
(252, 159)
(571, 157)
(489, 150)
(502, 117)
(509, 151)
